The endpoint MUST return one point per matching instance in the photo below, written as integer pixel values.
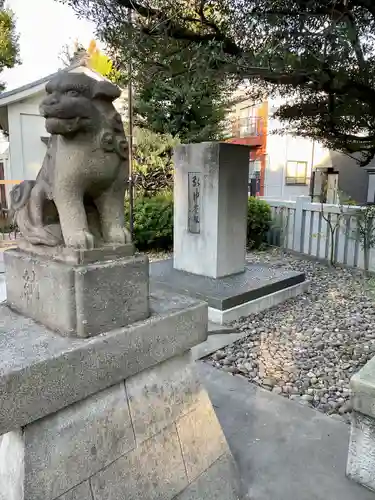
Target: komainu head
(74, 102)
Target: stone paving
(284, 451)
(308, 348)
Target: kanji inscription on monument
(30, 286)
(194, 206)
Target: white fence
(302, 226)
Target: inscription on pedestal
(30, 286)
(194, 206)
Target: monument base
(258, 288)
(361, 455)
(120, 415)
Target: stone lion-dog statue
(77, 199)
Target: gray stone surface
(201, 437)
(215, 342)
(91, 451)
(362, 385)
(217, 483)
(78, 196)
(161, 395)
(284, 450)
(81, 492)
(361, 455)
(224, 293)
(78, 256)
(214, 329)
(42, 372)
(11, 466)
(219, 247)
(154, 470)
(76, 442)
(254, 307)
(78, 300)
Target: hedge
(153, 222)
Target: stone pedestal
(210, 208)
(361, 455)
(78, 293)
(113, 416)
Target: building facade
(287, 167)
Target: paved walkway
(285, 451)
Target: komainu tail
(20, 195)
(24, 214)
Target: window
(249, 121)
(371, 188)
(296, 172)
(254, 169)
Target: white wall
(26, 127)
(284, 148)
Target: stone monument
(98, 394)
(210, 226)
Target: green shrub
(153, 222)
(258, 222)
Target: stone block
(210, 189)
(12, 466)
(154, 470)
(362, 386)
(83, 300)
(361, 456)
(81, 492)
(76, 443)
(219, 482)
(77, 256)
(88, 450)
(202, 439)
(161, 395)
(42, 372)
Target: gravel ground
(308, 348)
(154, 256)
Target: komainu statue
(77, 199)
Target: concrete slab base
(154, 435)
(215, 329)
(257, 288)
(215, 342)
(257, 305)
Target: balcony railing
(244, 127)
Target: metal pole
(312, 173)
(130, 139)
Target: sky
(44, 26)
